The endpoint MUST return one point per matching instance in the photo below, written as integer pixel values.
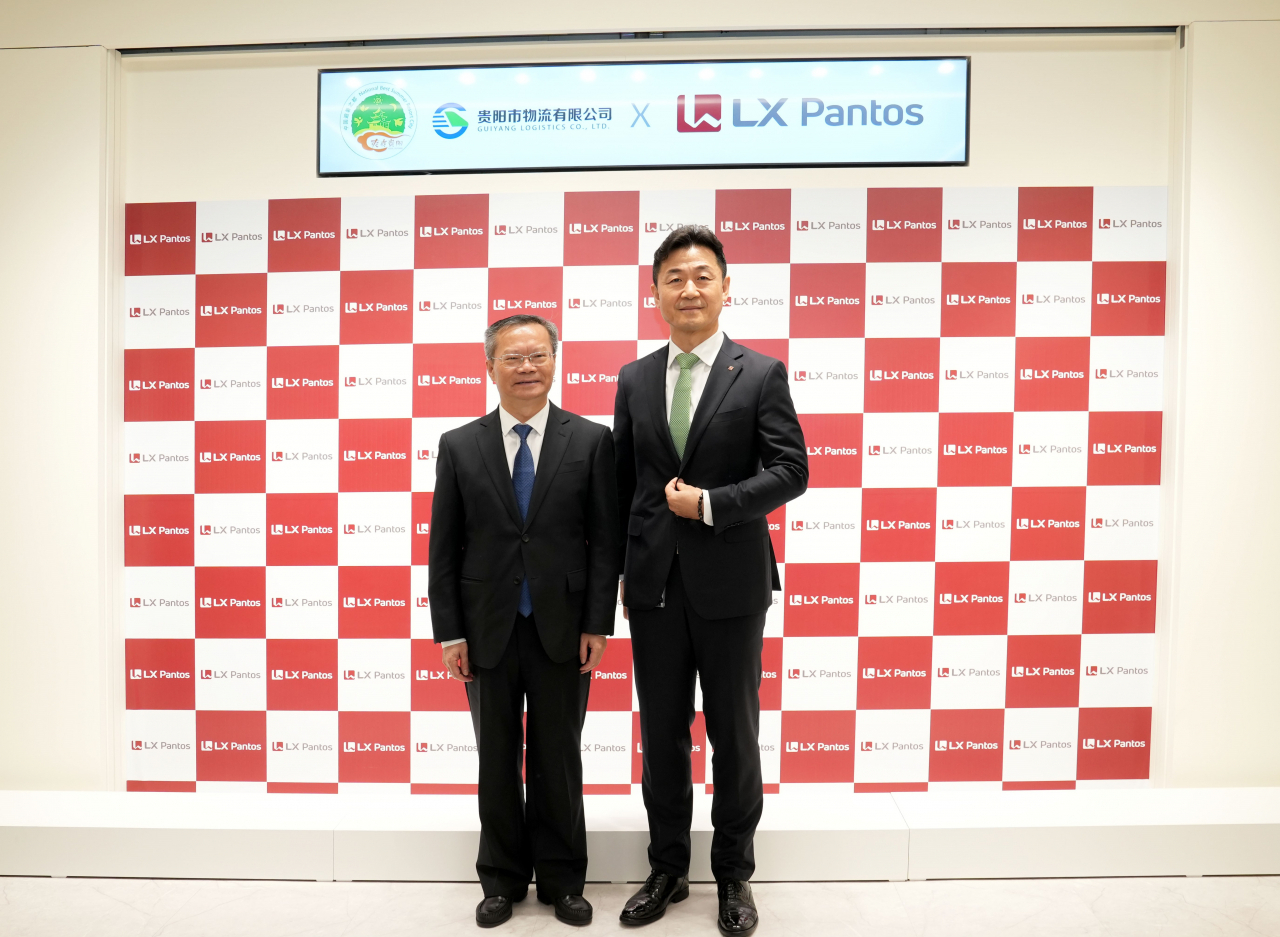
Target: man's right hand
(455, 658)
(622, 597)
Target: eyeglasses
(511, 362)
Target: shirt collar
(538, 421)
(706, 352)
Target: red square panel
(377, 307)
(893, 673)
(231, 746)
(535, 291)
(373, 601)
(304, 234)
(1120, 596)
(834, 443)
(771, 674)
(1124, 448)
(302, 382)
(231, 456)
(611, 680)
(1048, 524)
(652, 325)
(978, 298)
(901, 375)
(433, 689)
(159, 239)
(826, 300)
(421, 538)
(904, 225)
(449, 379)
(601, 228)
(302, 674)
(817, 746)
(898, 524)
(1128, 298)
(231, 602)
(1053, 374)
(975, 449)
(966, 745)
(1055, 223)
(375, 455)
(452, 231)
(778, 348)
(157, 530)
(373, 747)
(302, 529)
(1115, 744)
(158, 384)
(231, 309)
(1044, 671)
(754, 225)
(589, 374)
(971, 598)
(159, 673)
(822, 600)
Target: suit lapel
(724, 371)
(554, 445)
(494, 456)
(655, 388)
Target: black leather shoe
(650, 902)
(493, 911)
(737, 908)
(573, 909)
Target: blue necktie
(522, 482)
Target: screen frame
(968, 106)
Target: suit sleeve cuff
(444, 644)
(706, 509)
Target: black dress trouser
(548, 834)
(669, 646)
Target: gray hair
(510, 322)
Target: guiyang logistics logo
(448, 121)
(378, 120)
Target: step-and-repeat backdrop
(969, 582)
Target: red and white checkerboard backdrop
(969, 580)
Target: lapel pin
(730, 367)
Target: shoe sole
(676, 898)
(572, 921)
(480, 923)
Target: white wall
(1223, 692)
(55, 192)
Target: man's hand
(590, 650)
(455, 658)
(682, 498)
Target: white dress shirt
(511, 442)
(700, 371)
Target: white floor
(1176, 907)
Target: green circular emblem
(378, 121)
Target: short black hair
(689, 235)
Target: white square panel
(160, 312)
(302, 602)
(158, 458)
(231, 674)
(758, 304)
(373, 674)
(1130, 222)
(160, 744)
(600, 304)
(231, 384)
(1040, 744)
(373, 528)
(231, 237)
(1054, 298)
(973, 524)
(1117, 670)
(900, 450)
(302, 456)
(1046, 596)
(426, 447)
(606, 748)
(828, 226)
(159, 602)
(904, 300)
(819, 673)
(302, 747)
(979, 224)
(230, 530)
(826, 374)
(823, 526)
(444, 749)
(969, 671)
(977, 375)
(893, 746)
(526, 229)
(449, 305)
(375, 381)
(377, 233)
(896, 600)
(770, 746)
(1125, 372)
(663, 211)
(303, 308)
(1050, 449)
(1122, 522)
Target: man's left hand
(590, 650)
(682, 498)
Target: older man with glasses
(523, 572)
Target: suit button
(525, 538)
(517, 580)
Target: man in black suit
(708, 443)
(523, 567)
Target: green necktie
(680, 401)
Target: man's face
(690, 290)
(526, 381)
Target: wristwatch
(700, 496)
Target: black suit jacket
(567, 545)
(745, 448)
